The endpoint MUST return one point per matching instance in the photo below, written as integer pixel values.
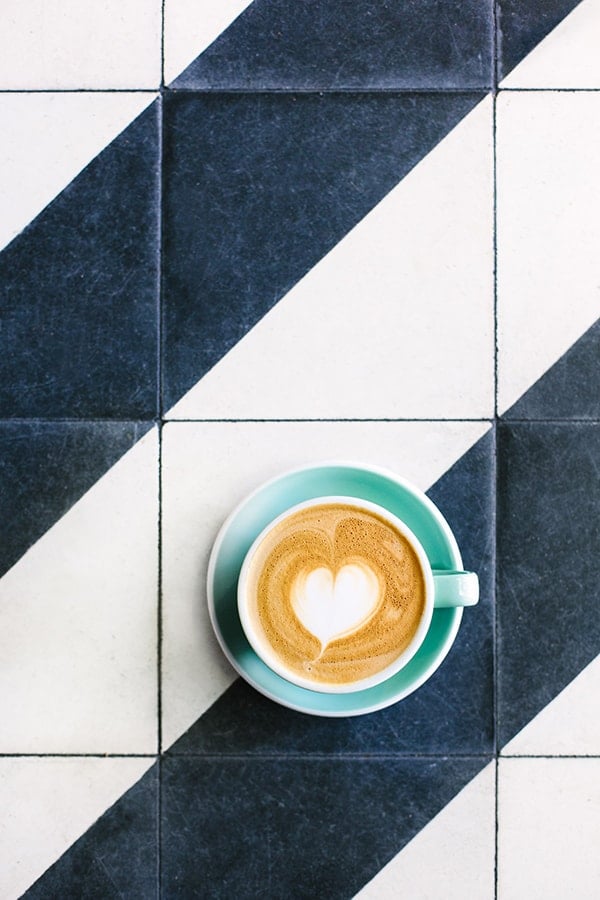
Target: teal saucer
(256, 511)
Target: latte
(336, 591)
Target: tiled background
(239, 237)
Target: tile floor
(238, 237)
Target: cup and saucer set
(395, 497)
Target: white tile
(569, 725)
(47, 139)
(568, 57)
(549, 829)
(190, 27)
(395, 322)
(79, 623)
(452, 857)
(47, 803)
(548, 231)
(208, 468)
(52, 44)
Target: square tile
(548, 506)
(346, 342)
(259, 187)
(49, 802)
(50, 44)
(208, 468)
(549, 828)
(302, 827)
(548, 231)
(79, 291)
(79, 617)
(340, 45)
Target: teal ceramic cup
(255, 513)
(442, 589)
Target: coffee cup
(337, 594)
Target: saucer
(270, 500)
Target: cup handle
(455, 589)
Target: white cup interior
(263, 648)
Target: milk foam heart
(330, 606)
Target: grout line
(330, 757)
(158, 420)
(549, 90)
(78, 756)
(91, 420)
(477, 90)
(495, 246)
(139, 90)
(375, 89)
(549, 755)
(162, 44)
(496, 56)
(176, 421)
(159, 634)
(162, 420)
(159, 401)
(496, 826)
(548, 421)
(374, 757)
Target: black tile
(258, 188)
(116, 858)
(548, 538)
(325, 44)
(452, 713)
(524, 23)
(570, 389)
(45, 467)
(294, 828)
(79, 292)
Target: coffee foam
(337, 592)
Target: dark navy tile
(452, 713)
(117, 857)
(524, 23)
(570, 389)
(548, 536)
(294, 828)
(45, 467)
(336, 44)
(79, 292)
(258, 188)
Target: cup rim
(269, 657)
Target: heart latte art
(337, 592)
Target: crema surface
(337, 592)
